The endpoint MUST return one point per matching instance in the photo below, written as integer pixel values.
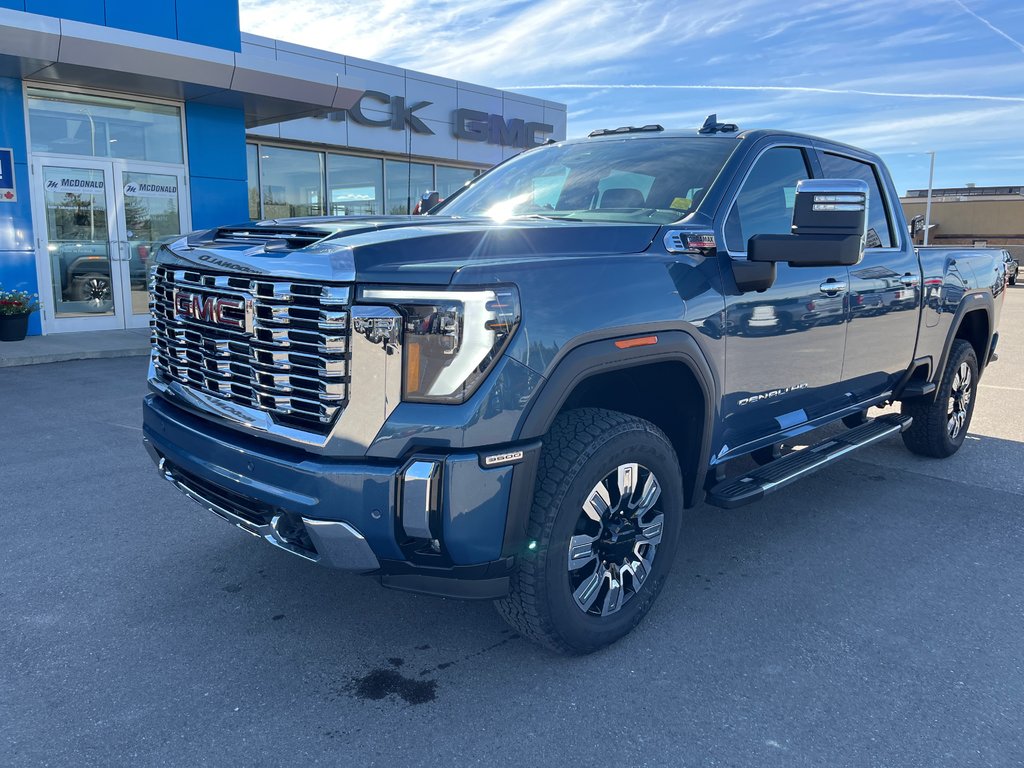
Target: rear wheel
(940, 425)
(605, 521)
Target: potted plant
(15, 307)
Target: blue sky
(897, 77)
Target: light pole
(928, 205)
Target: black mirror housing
(829, 227)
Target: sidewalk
(59, 347)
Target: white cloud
(894, 77)
(1016, 43)
(768, 89)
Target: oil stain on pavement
(381, 682)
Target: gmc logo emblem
(209, 308)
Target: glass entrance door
(79, 244)
(150, 205)
(104, 222)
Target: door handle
(832, 286)
(909, 280)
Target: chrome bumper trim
(338, 544)
(419, 498)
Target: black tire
(931, 433)
(1013, 280)
(856, 419)
(580, 452)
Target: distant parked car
(1012, 268)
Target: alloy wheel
(96, 291)
(960, 394)
(617, 535)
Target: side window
(838, 167)
(765, 204)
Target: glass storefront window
(292, 182)
(355, 185)
(100, 126)
(450, 180)
(252, 164)
(298, 182)
(406, 184)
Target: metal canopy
(46, 49)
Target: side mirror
(428, 201)
(829, 227)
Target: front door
(103, 222)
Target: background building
(970, 215)
(122, 123)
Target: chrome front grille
(280, 346)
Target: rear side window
(765, 204)
(838, 167)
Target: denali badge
(772, 394)
(209, 308)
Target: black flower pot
(13, 327)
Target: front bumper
(349, 515)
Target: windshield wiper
(544, 216)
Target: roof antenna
(711, 125)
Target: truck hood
(419, 250)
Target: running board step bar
(737, 491)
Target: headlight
(451, 338)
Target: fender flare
(971, 302)
(602, 356)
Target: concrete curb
(86, 354)
(64, 347)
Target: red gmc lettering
(210, 309)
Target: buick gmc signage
(467, 124)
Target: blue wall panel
(78, 10)
(216, 165)
(216, 141)
(18, 272)
(216, 202)
(154, 17)
(12, 118)
(210, 22)
(17, 255)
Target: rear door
(885, 288)
(784, 346)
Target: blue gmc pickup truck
(517, 396)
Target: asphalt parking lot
(870, 615)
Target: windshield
(643, 180)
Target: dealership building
(123, 123)
(984, 217)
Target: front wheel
(603, 531)
(940, 425)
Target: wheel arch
(973, 323)
(668, 383)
